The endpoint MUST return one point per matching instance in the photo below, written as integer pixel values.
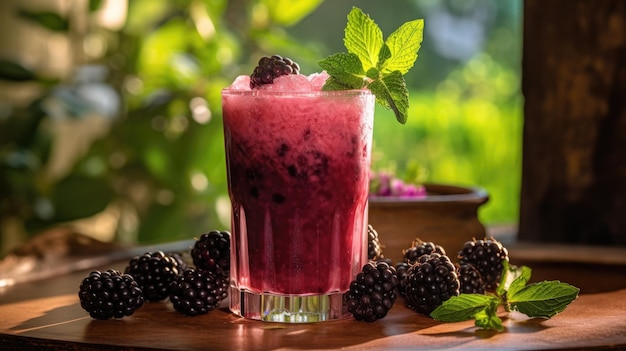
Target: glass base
(287, 308)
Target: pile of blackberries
(155, 276)
(426, 276)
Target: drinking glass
(298, 176)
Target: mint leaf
(511, 273)
(542, 300)
(382, 64)
(488, 319)
(363, 38)
(346, 68)
(391, 92)
(462, 307)
(403, 44)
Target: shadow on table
(527, 327)
(52, 318)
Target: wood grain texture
(574, 143)
(47, 315)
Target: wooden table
(46, 314)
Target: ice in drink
(298, 163)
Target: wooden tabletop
(46, 314)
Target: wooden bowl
(447, 216)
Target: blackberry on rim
(270, 68)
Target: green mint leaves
(375, 63)
(538, 300)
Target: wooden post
(574, 143)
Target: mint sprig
(375, 63)
(538, 300)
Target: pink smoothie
(298, 163)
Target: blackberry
(374, 250)
(373, 292)
(487, 256)
(270, 68)
(153, 271)
(401, 271)
(419, 248)
(211, 252)
(196, 292)
(110, 294)
(429, 282)
(470, 280)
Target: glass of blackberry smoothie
(298, 161)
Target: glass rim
(315, 93)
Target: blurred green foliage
(466, 131)
(161, 164)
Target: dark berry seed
(278, 198)
(293, 172)
(282, 150)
